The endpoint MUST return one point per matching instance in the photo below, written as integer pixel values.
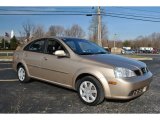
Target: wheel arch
(82, 76)
(96, 74)
(24, 65)
(18, 65)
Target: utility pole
(99, 26)
(115, 42)
(4, 44)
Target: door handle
(45, 58)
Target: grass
(6, 50)
(6, 57)
(134, 56)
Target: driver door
(56, 69)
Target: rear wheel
(22, 74)
(90, 90)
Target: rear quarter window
(35, 46)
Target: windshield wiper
(101, 53)
(93, 53)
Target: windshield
(84, 47)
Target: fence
(6, 53)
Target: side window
(53, 46)
(37, 46)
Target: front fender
(97, 74)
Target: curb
(5, 60)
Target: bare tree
(22, 35)
(38, 32)
(152, 40)
(155, 38)
(104, 35)
(75, 31)
(93, 29)
(55, 30)
(68, 32)
(27, 29)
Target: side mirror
(60, 53)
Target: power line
(131, 18)
(44, 11)
(139, 10)
(86, 13)
(58, 12)
(90, 14)
(47, 14)
(110, 15)
(130, 13)
(133, 15)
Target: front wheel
(22, 75)
(90, 90)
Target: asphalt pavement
(42, 97)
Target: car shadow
(51, 84)
(122, 101)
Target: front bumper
(129, 88)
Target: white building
(12, 33)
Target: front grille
(144, 70)
(141, 71)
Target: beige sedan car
(83, 66)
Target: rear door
(33, 56)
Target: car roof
(64, 38)
(55, 37)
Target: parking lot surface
(41, 97)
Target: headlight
(123, 72)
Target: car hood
(114, 60)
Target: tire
(90, 91)
(22, 74)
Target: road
(41, 97)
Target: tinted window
(53, 46)
(36, 46)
